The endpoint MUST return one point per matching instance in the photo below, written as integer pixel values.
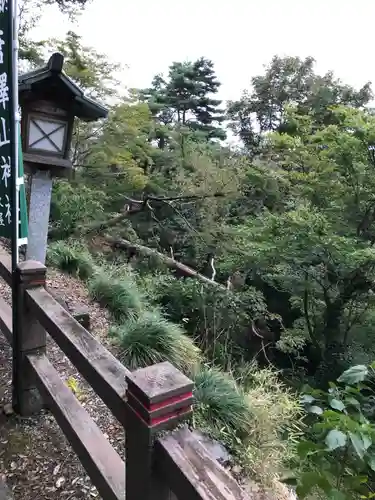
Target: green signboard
(6, 120)
(22, 197)
(7, 134)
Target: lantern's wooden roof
(50, 82)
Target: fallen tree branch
(113, 221)
(179, 198)
(186, 271)
(102, 225)
(133, 207)
(171, 263)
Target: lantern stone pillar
(39, 209)
(50, 101)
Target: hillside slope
(35, 457)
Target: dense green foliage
(338, 459)
(288, 218)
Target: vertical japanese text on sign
(6, 117)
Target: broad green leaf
(367, 441)
(337, 404)
(323, 426)
(352, 390)
(306, 447)
(337, 495)
(358, 444)
(356, 482)
(315, 409)
(332, 416)
(309, 480)
(371, 462)
(352, 401)
(335, 439)
(307, 398)
(354, 374)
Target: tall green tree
(320, 247)
(68, 5)
(186, 99)
(289, 81)
(32, 52)
(90, 69)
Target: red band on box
(167, 402)
(162, 404)
(37, 282)
(170, 416)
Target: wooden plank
(101, 369)
(101, 462)
(6, 325)
(191, 472)
(6, 267)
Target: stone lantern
(50, 101)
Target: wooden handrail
(98, 366)
(191, 472)
(160, 397)
(102, 463)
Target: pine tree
(184, 99)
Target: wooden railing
(146, 401)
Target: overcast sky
(238, 35)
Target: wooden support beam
(159, 397)
(191, 472)
(101, 462)
(101, 369)
(29, 337)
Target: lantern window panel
(47, 135)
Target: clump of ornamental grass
(71, 258)
(119, 295)
(221, 405)
(150, 338)
(276, 425)
(254, 415)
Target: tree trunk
(171, 263)
(332, 322)
(333, 362)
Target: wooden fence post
(28, 337)
(159, 397)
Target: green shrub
(215, 318)
(73, 259)
(338, 457)
(151, 339)
(120, 295)
(220, 403)
(74, 205)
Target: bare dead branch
(171, 263)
